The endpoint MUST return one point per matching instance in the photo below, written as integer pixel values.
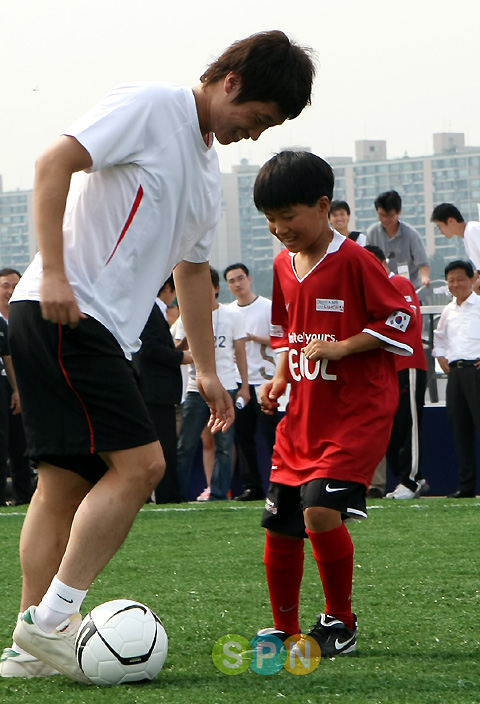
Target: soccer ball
(121, 641)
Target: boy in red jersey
(335, 320)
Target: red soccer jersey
(418, 359)
(339, 417)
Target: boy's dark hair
(444, 211)
(214, 277)
(292, 178)
(339, 205)
(7, 271)
(389, 200)
(272, 69)
(376, 251)
(239, 265)
(460, 264)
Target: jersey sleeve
(279, 318)
(118, 128)
(200, 252)
(389, 314)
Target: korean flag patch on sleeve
(398, 320)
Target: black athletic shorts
(78, 391)
(285, 504)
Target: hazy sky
(398, 71)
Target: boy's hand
(269, 393)
(319, 349)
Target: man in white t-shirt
(144, 199)
(231, 360)
(450, 222)
(256, 311)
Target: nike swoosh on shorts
(331, 489)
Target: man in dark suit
(158, 365)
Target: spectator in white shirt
(450, 222)
(457, 348)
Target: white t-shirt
(472, 242)
(151, 199)
(260, 358)
(458, 331)
(228, 326)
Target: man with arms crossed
(147, 202)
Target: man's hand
(15, 403)
(244, 392)
(219, 401)
(58, 300)
(443, 362)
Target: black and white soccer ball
(121, 641)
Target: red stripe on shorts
(67, 378)
(131, 215)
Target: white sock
(59, 602)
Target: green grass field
(200, 568)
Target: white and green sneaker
(13, 664)
(56, 649)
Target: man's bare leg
(46, 528)
(106, 514)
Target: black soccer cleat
(333, 637)
(265, 632)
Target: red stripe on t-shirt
(131, 215)
(67, 378)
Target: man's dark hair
(292, 178)
(214, 277)
(460, 264)
(7, 271)
(272, 69)
(389, 200)
(339, 205)
(239, 265)
(376, 251)
(169, 282)
(444, 211)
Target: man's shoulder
(472, 228)
(375, 231)
(263, 301)
(408, 230)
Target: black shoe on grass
(333, 637)
(264, 632)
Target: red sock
(283, 560)
(333, 551)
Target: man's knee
(155, 472)
(142, 466)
